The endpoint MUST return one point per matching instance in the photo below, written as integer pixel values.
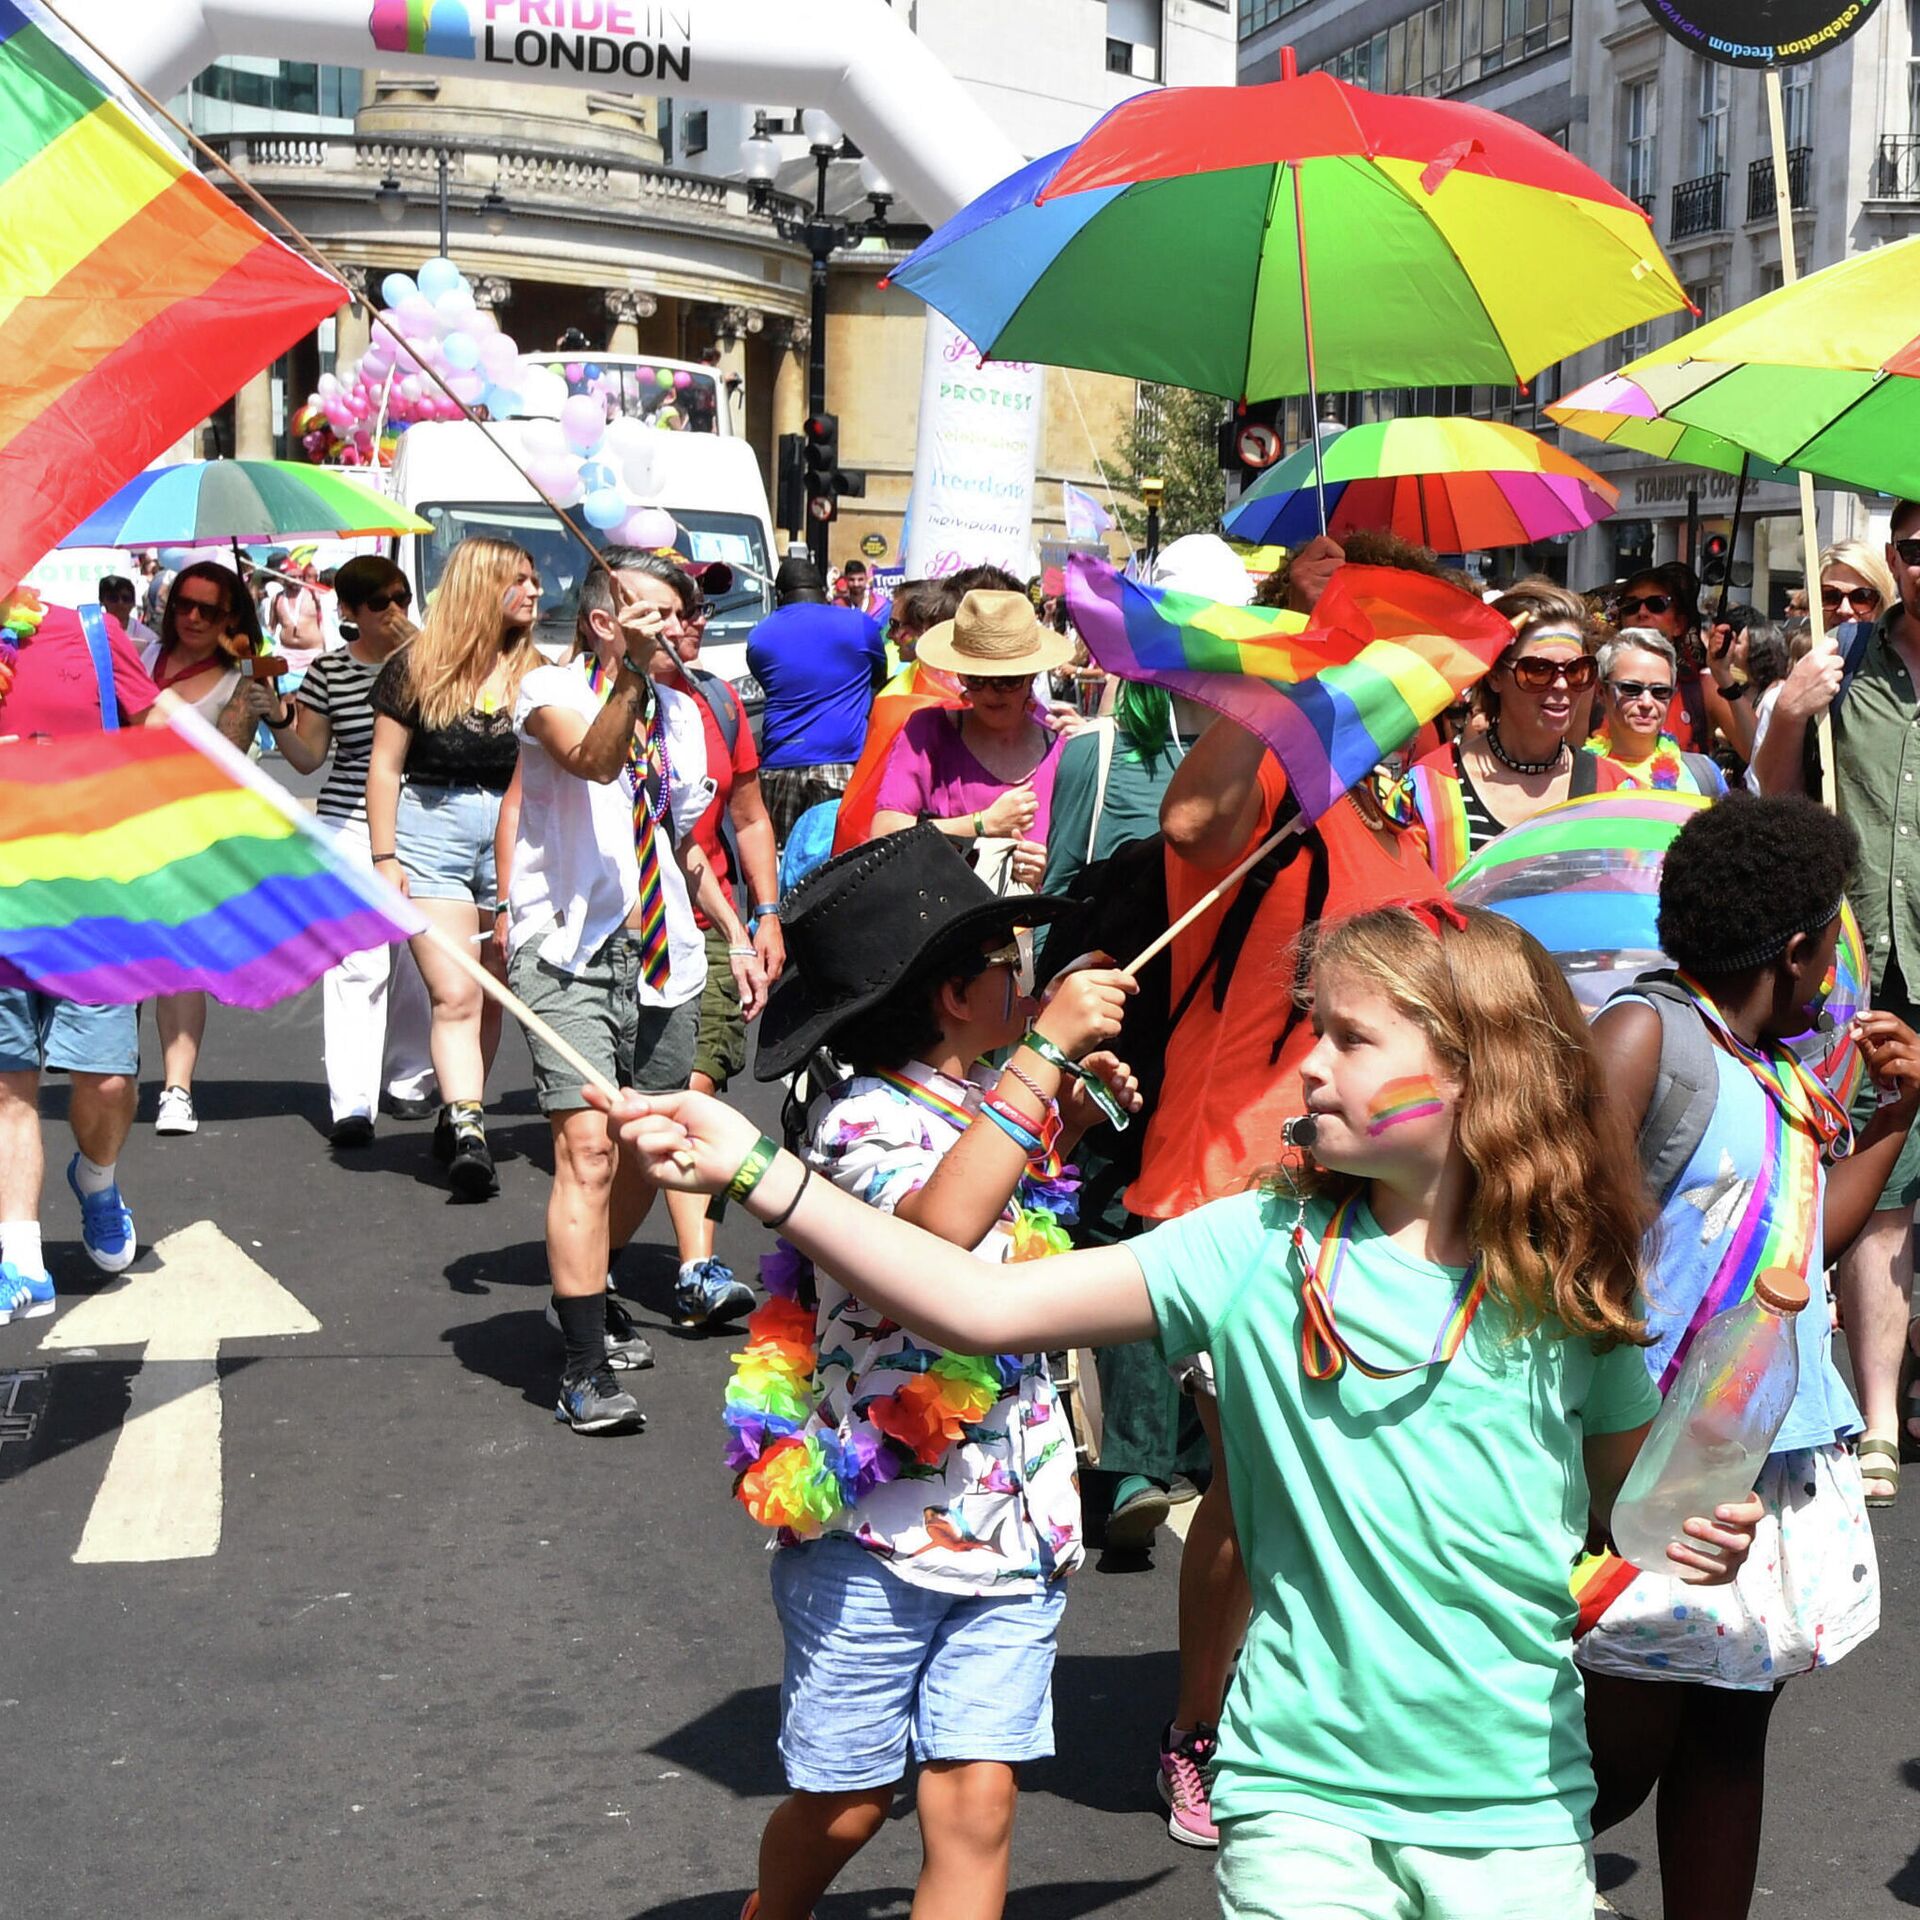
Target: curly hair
(1746, 875)
(1363, 547)
(1558, 1208)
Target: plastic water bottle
(1717, 1423)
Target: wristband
(1010, 1122)
(1097, 1090)
(766, 909)
(753, 1169)
(378, 857)
(280, 726)
(785, 1214)
(743, 953)
(979, 826)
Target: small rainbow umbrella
(1454, 485)
(1584, 879)
(200, 502)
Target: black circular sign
(1761, 33)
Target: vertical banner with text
(974, 467)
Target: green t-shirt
(1409, 1670)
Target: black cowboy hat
(861, 924)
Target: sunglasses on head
(1625, 690)
(379, 602)
(1537, 673)
(986, 682)
(1645, 602)
(1909, 552)
(1863, 599)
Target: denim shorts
(873, 1662)
(68, 1036)
(444, 837)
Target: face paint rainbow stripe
(1413, 1097)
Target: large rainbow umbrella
(1584, 879)
(201, 501)
(1440, 244)
(1453, 485)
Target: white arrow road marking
(161, 1497)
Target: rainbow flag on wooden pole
(134, 297)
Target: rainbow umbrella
(134, 296)
(1450, 484)
(1438, 241)
(200, 501)
(1584, 879)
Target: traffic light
(790, 483)
(1250, 438)
(1713, 559)
(827, 482)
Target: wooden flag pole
(1809, 525)
(1211, 898)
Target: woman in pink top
(986, 771)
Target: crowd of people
(1404, 1366)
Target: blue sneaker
(39, 1288)
(106, 1226)
(16, 1296)
(707, 1295)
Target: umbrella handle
(1289, 69)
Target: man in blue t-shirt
(820, 667)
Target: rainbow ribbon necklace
(647, 757)
(1046, 1165)
(1324, 1350)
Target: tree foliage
(1175, 437)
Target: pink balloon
(683, 379)
(557, 476)
(647, 527)
(583, 420)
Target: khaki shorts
(721, 1050)
(598, 1011)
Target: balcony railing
(1896, 168)
(1760, 195)
(1699, 206)
(1644, 201)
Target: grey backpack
(1686, 1088)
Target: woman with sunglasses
(1495, 775)
(373, 1005)
(1854, 584)
(985, 772)
(1637, 670)
(208, 634)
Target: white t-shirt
(1762, 720)
(575, 875)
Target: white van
(453, 474)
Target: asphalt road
(450, 1657)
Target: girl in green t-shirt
(1427, 1359)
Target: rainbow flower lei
(800, 1481)
(1663, 769)
(20, 616)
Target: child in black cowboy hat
(927, 1503)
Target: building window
(1709, 118)
(1142, 63)
(1448, 44)
(286, 86)
(1796, 100)
(1258, 14)
(1709, 298)
(1640, 152)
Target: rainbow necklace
(1046, 1166)
(1324, 1350)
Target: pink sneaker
(1183, 1786)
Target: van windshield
(737, 538)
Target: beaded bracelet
(753, 1169)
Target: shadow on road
(1905, 1885)
(1060, 1900)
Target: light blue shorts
(873, 1661)
(1283, 1865)
(69, 1036)
(444, 837)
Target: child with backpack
(1427, 1360)
(1747, 1154)
(925, 1503)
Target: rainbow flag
(1385, 652)
(158, 860)
(912, 690)
(1597, 1581)
(134, 297)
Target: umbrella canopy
(1440, 242)
(200, 501)
(1452, 485)
(1664, 439)
(1822, 375)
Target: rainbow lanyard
(1788, 1083)
(1045, 1165)
(1325, 1351)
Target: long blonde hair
(1558, 1206)
(466, 635)
(1868, 562)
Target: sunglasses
(1625, 690)
(1537, 674)
(1909, 552)
(1017, 954)
(1646, 602)
(1861, 599)
(201, 609)
(986, 682)
(401, 597)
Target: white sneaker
(176, 1113)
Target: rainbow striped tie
(651, 769)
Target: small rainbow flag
(1597, 1581)
(134, 297)
(159, 860)
(1385, 652)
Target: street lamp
(390, 197)
(820, 233)
(494, 211)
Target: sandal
(1886, 1466)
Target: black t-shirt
(477, 750)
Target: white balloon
(544, 391)
(544, 438)
(637, 468)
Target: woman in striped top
(373, 1005)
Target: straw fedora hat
(994, 633)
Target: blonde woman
(443, 754)
(1854, 583)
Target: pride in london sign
(620, 38)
